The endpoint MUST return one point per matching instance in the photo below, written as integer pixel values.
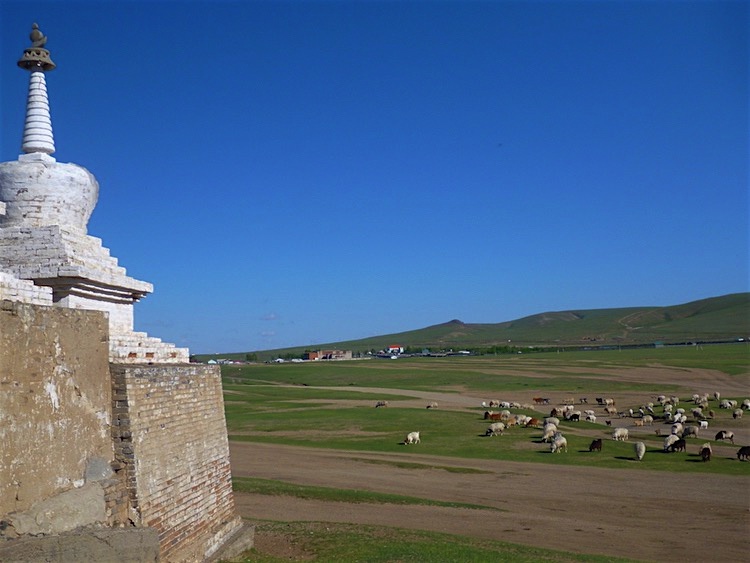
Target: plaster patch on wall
(51, 388)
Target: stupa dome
(38, 191)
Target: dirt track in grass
(646, 515)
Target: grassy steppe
(331, 405)
(288, 403)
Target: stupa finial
(37, 131)
(36, 57)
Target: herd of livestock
(664, 409)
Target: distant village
(392, 352)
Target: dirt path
(639, 514)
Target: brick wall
(169, 432)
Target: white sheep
(552, 420)
(690, 431)
(548, 432)
(640, 450)
(669, 440)
(591, 418)
(522, 419)
(494, 429)
(677, 428)
(620, 434)
(559, 444)
(432, 405)
(648, 419)
(746, 404)
(737, 413)
(703, 424)
(412, 438)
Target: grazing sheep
(432, 405)
(610, 410)
(609, 402)
(679, 446)
(548, 433)
(381, 404)
(743, 453)
(725, 435)
(640, 450)
(677, 428)
(590, 418)
(705, 452)
(737, 414)
(522, 419)
(552, 420)
(703, 424)
(669, 440)
(494, 429)
(725, 404)
(648, 419)
(690, 431)
(533, 423)
(596, 445)
(717, 396)
(620, 434)
(746, 404)
(411, 438)
(638, 422)
(559, 444)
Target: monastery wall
(89, 446)
(55, 404)
(169, 431)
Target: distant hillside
(713, 319)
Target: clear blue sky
(293, 173)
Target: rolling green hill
(713, 319)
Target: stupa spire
(37, 130)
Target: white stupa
(45, 207)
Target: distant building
(395, 349)
(328, 355)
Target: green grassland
(376, 544)
(318, 404)
(331, 405)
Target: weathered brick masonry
(169, 432)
